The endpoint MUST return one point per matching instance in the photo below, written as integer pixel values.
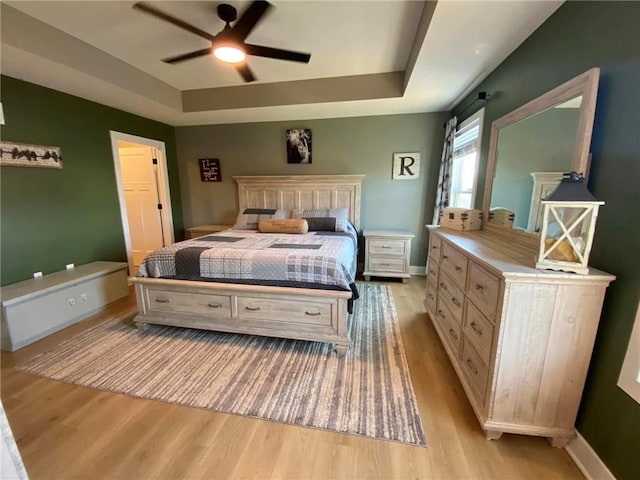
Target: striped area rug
(367, 392)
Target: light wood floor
(65, 431)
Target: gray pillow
(250, 217)
(324, 219)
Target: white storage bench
(36, 308)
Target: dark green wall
(357, 145)
(581, 35)
(51, 217)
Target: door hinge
(155, 161)
(159, 206)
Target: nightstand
(199, 231)
(387, 253)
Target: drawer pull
(444, 257)
(385, 264)
(252, 309)
(434, 248)
(441, 314)
(475, 328)
(215, 305)
(432, 272)
(453, 334)
(443, 286)
(314, 314)
(385, 246)
(162, 300)
(455, 301)
(430, 295)
(458, 269)
(479, 287)
(471, 366)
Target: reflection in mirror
(532, 155)
(529, 150)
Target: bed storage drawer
(257, 308)
(188, 302)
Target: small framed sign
(406, 166)
(210, 170)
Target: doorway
(143, 191)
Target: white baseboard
(417, 270)
(588, 460)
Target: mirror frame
(586, 85)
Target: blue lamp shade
(572, 188)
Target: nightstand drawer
(384, 264)
(387, 246)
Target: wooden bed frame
(298, 313)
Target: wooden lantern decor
(568, 222)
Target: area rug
(366, 392)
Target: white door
(140, 187)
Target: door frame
(163, 188)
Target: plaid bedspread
(241, 256)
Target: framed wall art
(210, 170)
(406, 166)
(299, 145)
(27, 155)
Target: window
(464, 166)
(629, 379)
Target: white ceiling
(107, 52)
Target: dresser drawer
(387, 246)
(432, 297)
(479, 331)
(193, 303)
(448, 327)
(386, 264)
(257, 308)
(452, 295)
(454, 263)
(434, 247)
(483, 289)
(432, 270)
(474, 370)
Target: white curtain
(444, 179)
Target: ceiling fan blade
(245, 71)
(250, 17)
(187, 56)
(277, 53)
(144, 7)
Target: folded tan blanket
(293, 225)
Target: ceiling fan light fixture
(229, 53)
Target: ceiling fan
(229, 44)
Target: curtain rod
(482, 96)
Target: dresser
(519, 339)
(387, 253)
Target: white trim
(164, 188)
(420, 270)
(629, 379)
(587, 459)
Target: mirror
(532, 146)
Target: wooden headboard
(302, 191)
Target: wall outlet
(70, 266)
(37, 274)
